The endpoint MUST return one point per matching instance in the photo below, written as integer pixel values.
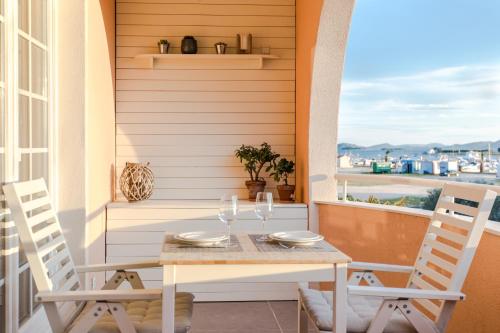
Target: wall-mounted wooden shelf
(203, 61)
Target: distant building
(430, 167)
(345, 161)
(409, 165)
(448, 167)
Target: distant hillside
(344, 146)
(479, 145)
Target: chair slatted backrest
(451, 241)
(44, 245)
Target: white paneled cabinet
(135, 232)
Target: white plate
(296, 237)
(201, 237)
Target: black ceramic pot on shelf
(189, 45)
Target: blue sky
(420, 71)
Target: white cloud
(455, 104)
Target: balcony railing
(343, 181)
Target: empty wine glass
(264, 209)
(228, 212)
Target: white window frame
(13, 152)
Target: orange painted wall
(307, 21)
(394, 238)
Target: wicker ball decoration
(136, 181)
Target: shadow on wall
(108, 10)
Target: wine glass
(264, 210)
(228, 212)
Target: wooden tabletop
(246, 253)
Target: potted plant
(254, 159)
(282, 170)
(163, 46)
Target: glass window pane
(24, 167)
(36, 304)
(39, 70)
(2, 309)
(39, 124)
(39, 20)
(23, 15)
(23, 63)
(24, 122)
(24, 295)
(40, 168)
(3, 232)
(2, 121)
(2, 51)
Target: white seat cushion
(146, 316)
(360, 312)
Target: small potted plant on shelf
(282, 170)
(254, 159)
(163, 46)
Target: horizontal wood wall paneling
(188, 118)
(257, 42)
(205, 75)
(204, 118)
(220, 2)
(204, 9)
(205, 96)
(202, 31)
(205, 183)
(205, 64)
(190, 225)
(132, 51)
(175, 112)
(202, 161)
(207, 20)
(135, 215)
(245, 292)
(199, 129)
(197, 140)
(199, 150)
(224, 86)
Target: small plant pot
(254, 187)
(286, 192)
(163, 48)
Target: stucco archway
(328, 67)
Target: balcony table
(252, 262)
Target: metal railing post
(344, 193)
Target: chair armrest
(406, 293)
(117, 267)
(99, 295)
(367, 266)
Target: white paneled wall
(188, 122)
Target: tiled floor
(245, 317)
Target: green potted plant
(254, 159)
(282, 170)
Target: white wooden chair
(68, 308)
(433, 289)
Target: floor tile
(286, 313)
(238, 316)
(238, 331)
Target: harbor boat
(471, 168)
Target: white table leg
(168, 299)
(340, 308)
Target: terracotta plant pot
(286, 192)
(254, 187)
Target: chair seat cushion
(146, 316)
(360, 312)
